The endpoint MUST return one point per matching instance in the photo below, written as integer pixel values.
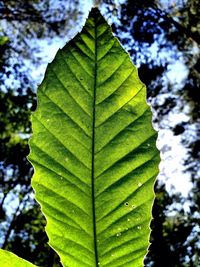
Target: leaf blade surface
(94, 154)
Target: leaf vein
(87, 45)
(79, 227)
(120, 108)
(119, 133)
(63, 111)
(61, 143)
(62, 84)
(129, 152)
(56, 193)
(107, 52)
(73, 175)
(126, 214)
(82, 51)
(106, 80)
(76, 78)
(99, 103)
(70, 182)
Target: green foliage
(3, 40)
(94, 152)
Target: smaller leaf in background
(8, 259)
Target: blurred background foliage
(162, 37)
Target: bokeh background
(162, 37)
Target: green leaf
(8, 259)
(3, 40)
(94, 153)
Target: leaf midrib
(93, 146)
